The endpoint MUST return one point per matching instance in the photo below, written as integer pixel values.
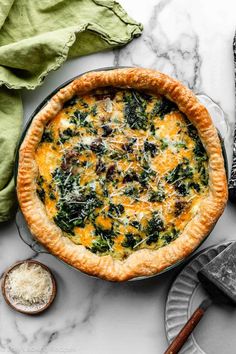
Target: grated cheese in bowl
(29, 286)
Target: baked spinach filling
(40, 188)
(135, 110)
(104, 240)
(80, 204)
(155, 225)
(70, 102)
(76, 204)
(163, 107)
(131, 241)
(101, 245)
(47, 136)
(157, 195)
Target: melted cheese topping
(121, 170)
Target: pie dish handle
(220, 122)
(26, 235)
(217, 115)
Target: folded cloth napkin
(37, 37)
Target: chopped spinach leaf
(199, 151)
(51, 192)
(40, 180)
(76, 204)
(105, 234)
(65, 135)
(145, 96)
(117, 155)
(101, 245)
(40, 190)
(74, 212)
(116, 209)
(150, 147)
(157, 196)
(182, 188)
(62, 221)
(180, 145)
(135, 110)
(204, 174)
(64, 180)
(70, 102)
(195, 186)
(128, 147)
(130, 177)
(170, 236)
(164, 144)
(93, 110)
(152, 128)
(132, 191)
(131, 240)
(192, 131)
(145, 175)
(163, 107)
(136, 224)
(102, 182)
(79, 118)
(155, 225)
(47, 136)
(181, 171)
(152, 238)
(52, 195)
(41, 194)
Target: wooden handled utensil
(185, 332)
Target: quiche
(121, 174)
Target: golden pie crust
(144, 262)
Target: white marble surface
(191, 40)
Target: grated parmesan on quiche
(121, 170)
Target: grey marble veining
(192, 41)
(179, 56)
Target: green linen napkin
(37, 37)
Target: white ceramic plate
(215, 334)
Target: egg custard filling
(121, 170)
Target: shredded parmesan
(29, 284)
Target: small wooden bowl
(29, 312)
